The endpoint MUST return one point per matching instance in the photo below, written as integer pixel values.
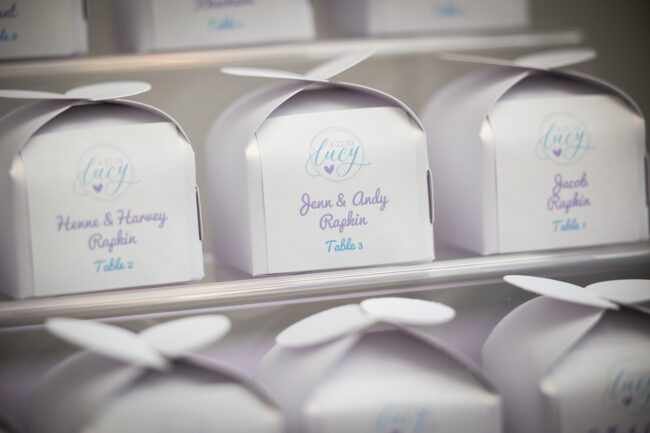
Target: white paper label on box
(210, 22)
(422, 15)
(338, 190)
(107, 208)
(34, 27)
(568, 172)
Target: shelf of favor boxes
(225, 288)
(318, 49)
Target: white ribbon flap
(543, 60)
(341, 321)
(92, 92)
(556, 58)
(181, 337)
(407, 311)
(107, 340)
(324, 326)
(321, 73)
(559, 290)
(624, 292)
(264, 73)
(151, 347)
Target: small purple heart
(98, 188)
(329, 169)
(557, 152)
(627, 401)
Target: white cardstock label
(209, 22)
(340, 191)
(107, 208)
(27, 30)
(569, 172)
(427, 15)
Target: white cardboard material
(387, 17)
(567, 366)
(42, 28)
(91, 209)
(159, 25)
(625, 292)
(315, 175)
(538, 158)
(382, 375)
(106, 392)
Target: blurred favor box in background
(162, 25)
(98, 193)
(42, 28)
(526, 157)
(390, 17)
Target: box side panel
(455, 159)
(227, 199)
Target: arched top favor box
(540, 158)
(98, 192)
(308, 174)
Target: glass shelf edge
(333, 284)
(298, 50)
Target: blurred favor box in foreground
(574, 359)
(308, 174)
(372, 368)
(42, 28)
(98, 193)
(526, 157)
(163, 25)
(151, 382)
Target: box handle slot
(430, 190)
(647, 179)
(198, 213)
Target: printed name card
(339, 191)
(108, 208)
(567, 171)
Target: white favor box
(159, 25)
(42, 28)
(389, 17)
(527, 157)
(572, 361)
(100, 193)
(148, 383)
(367, 368)
(309, 174)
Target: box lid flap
(249, 112)
(634, 294)
(553, 323)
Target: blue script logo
(336, 154)
(404, 419)
(447, 9)
(628, 387)
(104, 172)
(562, 138)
